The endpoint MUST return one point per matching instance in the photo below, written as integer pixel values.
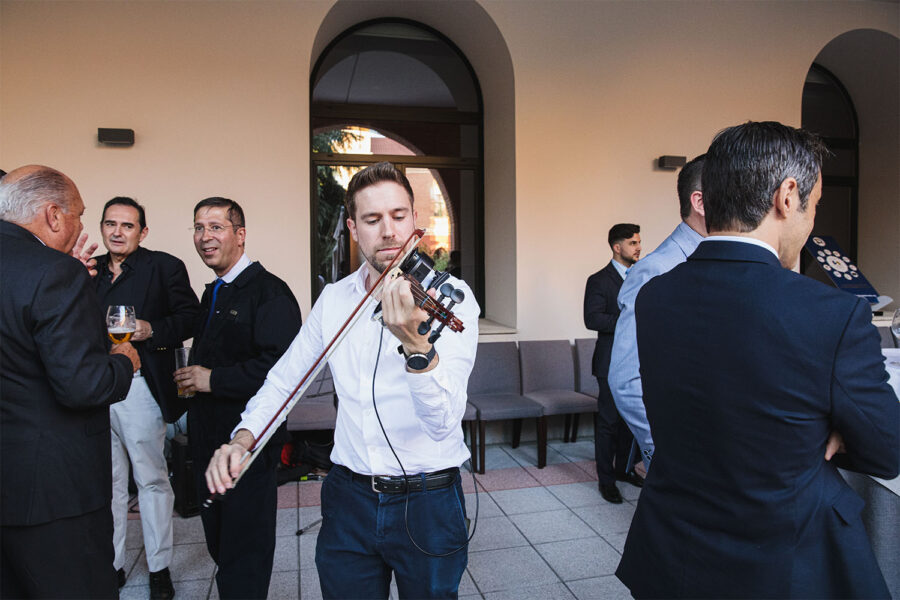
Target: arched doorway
(397, 90)
(828, 111)
(866, 62)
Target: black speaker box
(671, 162)
(181, 474)
(116, 137)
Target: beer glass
(183, 358)
(120, 323)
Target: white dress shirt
(421, 412)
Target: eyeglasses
(213, 229)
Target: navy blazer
(601, 311)
(255, 320)
(158, 287)
(56, 384)
(746, 368)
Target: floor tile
(486, 506)
(286, 522)
(526, 455)
(583, 449)
(467, 586)
(309, 585)
(566, 472)
(552, 526)
(580, 559)
(496, 457)
(608, 518)
(131, 558)
(588, 466)
(286, 550)
(509, 568)
(287, 495)
(197, 589)
(134, 536)
(188, 531)
(616, 540)
(506, 479)
(308, 549)
(556, 591)
(629, 492)
(309, 516)
(284, 585)
(536, 499)
(600, 588)
(578, 494)
(309, 493)
(496, 532)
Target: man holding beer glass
(151, 301)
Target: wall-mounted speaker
(115, 137)
(671, 162)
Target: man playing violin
(393, 502)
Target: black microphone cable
(405, 476)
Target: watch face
(417, 362)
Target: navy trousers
(364, 539)
(612, 438)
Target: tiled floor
(542, 533)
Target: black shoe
(161, 585)
(610, 493)
(632, 478)
(120, 574)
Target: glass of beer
(120, 323)
(183, 358)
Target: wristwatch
(418, 361)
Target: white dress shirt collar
(232, 274)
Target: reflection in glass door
(333, 256)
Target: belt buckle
(374, 489)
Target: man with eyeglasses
(248, 318)
(157, 285)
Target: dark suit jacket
(601, 311)
(157, 285)
(56, 384)
(746, 368)
(256, 319)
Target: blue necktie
(212, 305)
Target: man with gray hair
(57, 381)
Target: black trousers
(240, 529)
(65, 558)
(612, 438)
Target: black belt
(386, 484)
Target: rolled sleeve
(439, 396)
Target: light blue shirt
(624, 368)
(621, 269)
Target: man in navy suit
(612, 439)
(753, 377)
(156, 284)
(248, 318)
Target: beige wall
(602, 88)
(580, 98)
(217, 93)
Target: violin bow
(319, 364)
